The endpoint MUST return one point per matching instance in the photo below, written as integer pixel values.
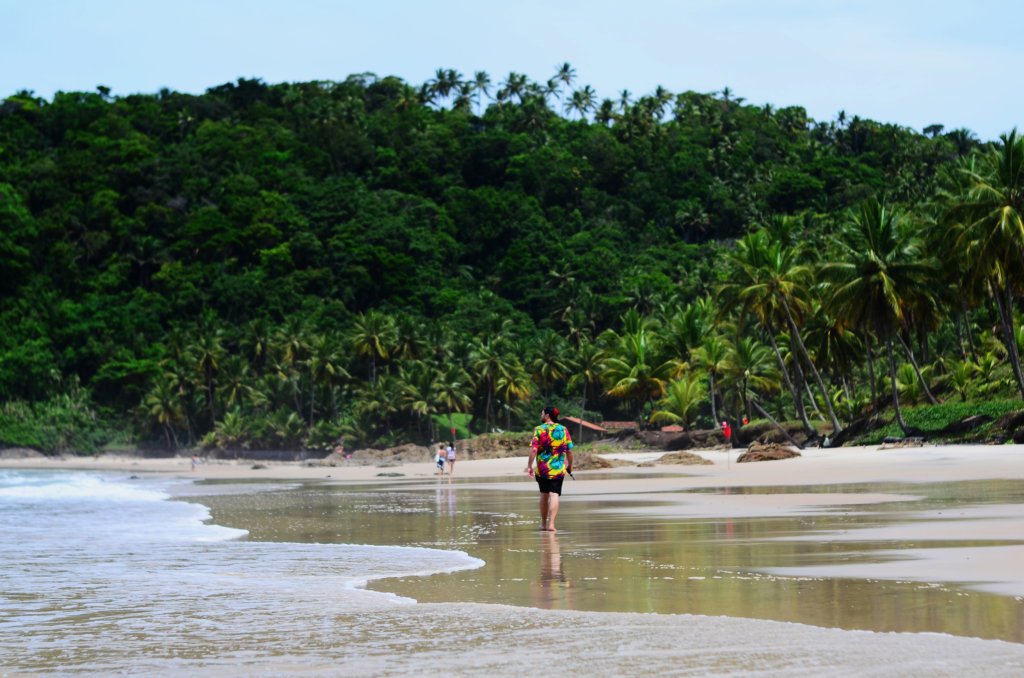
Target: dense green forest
(277, 266)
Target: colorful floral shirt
(552, 443)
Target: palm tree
(514, 86)
(515, 386)
(325, 368)
(565, 74)
(682, 399)
(551, 364)
(748, 369)
(490, 363)
(582, 101)
(481, 85)
(207, 353)
(452, 388)
(768, 281)
(633, 369)
(625, 99)
(605, 112)
(880, 267)
(989, 220)
(586, 371)
(710, 356)
(373, 335)
(163, 404)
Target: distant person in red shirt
(727, 431)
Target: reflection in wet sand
(612, 555)
(551, 590)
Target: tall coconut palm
(710, 357)
(551, 364)
(163, 405)
(514, 387)
(373, 335)
(325, 365)
(749, 370)
(989, 219)
(489, 362)
(879, 267)
(481, 86)
(207, 354)
(768, 281)
(683, 398)
(565, 74)
(633, 368)
(586, 372)
(582, 101)
(452, 389)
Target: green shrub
(931, 419)
(64, 423)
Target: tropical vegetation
(286, 265)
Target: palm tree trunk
(967, 331)
(714, 409)
(836, 428)
(1005, 306)
(957, 325)
(489, 416)
(764, 413)
(895, 393)
(798, 400)
(917, 370)
(209, 398)
(813, 400)
(871, 374)
(312, 399)
(846, 392)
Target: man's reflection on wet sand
(551, 590)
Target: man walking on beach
(552, 449)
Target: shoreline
(676, 492)
(815, 466)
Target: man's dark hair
(552, 412)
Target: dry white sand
(992, 567)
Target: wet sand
(851, 544)
(841, 481)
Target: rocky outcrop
(684, 458)
(767, 452)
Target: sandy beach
(855, 561)
(672, 491)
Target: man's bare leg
(552, 511)
(544, 510)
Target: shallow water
(605, 559)
(104, 575)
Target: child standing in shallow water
(439, 459)
(451, 459)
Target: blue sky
(909, 62)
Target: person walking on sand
(551, 448)
(439, 459)
(451, 459)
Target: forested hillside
(275, 266)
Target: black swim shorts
(551, 484)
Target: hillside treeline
(278, 266)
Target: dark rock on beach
(767, 452)
(684, 458)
